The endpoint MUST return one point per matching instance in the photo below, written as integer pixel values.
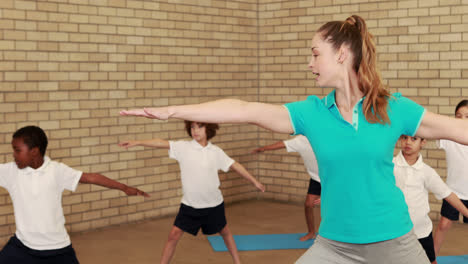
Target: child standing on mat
(457, 178)
(35, 184)
(301, 145)
(202, 203)
(415, 178)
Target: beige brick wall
(423, 54)
(70, 66)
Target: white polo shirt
(415, 181)
(37, 200)
(457, 167)
(199, 172)
(301, 145)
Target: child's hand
(160, 113)
(257, 150)
(317, 202)
(128, 144)
(260, 187)
(134, 191)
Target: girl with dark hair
(353, 131)
(457, 178)
(202, 205)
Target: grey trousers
(402, 250)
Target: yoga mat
(262, 242)
(463, 259)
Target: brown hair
(209, 127)
(353, 32)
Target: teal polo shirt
(360, 201)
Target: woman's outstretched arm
(435, 126)
(269, 116)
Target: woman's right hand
(161, 113)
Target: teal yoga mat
(262, 242)
(463, 259)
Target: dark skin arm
(101, 180)
(274, 146)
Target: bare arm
(274, 146)
(435, 126)
(271, 117)
(154, 143)
(99, 179)
(453, 200)
(237, 167)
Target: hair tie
(351, 20)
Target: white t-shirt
(301, 145)
(199, 172)
(37, 200)
(415, 181)
(457, 167)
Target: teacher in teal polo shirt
(353, 131)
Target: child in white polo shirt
(457, 178)
(301, 145)
(35, 184)
(415, 178)
(202, 203)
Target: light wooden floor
(142, 243)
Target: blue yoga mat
(262, 242)
(452, 259)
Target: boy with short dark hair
(456, 156)
(35, 184)
(415, 178)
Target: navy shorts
(428, 244)
(211, 220)
(16, 252)
(449, 212)
(314, 187)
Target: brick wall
(69, 66)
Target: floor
(142, 243)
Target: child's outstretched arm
(154, 143)
(99, 179)
(454, 201)
(236, 166)
(274, 146)
(269, 116)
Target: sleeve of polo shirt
(293, 144)
(410, 114)
(289, 144)
(224, 162)
(174, 149)
(435, 185)
(441, 143)
(301, 113)
(69, 177)
(5, 177)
